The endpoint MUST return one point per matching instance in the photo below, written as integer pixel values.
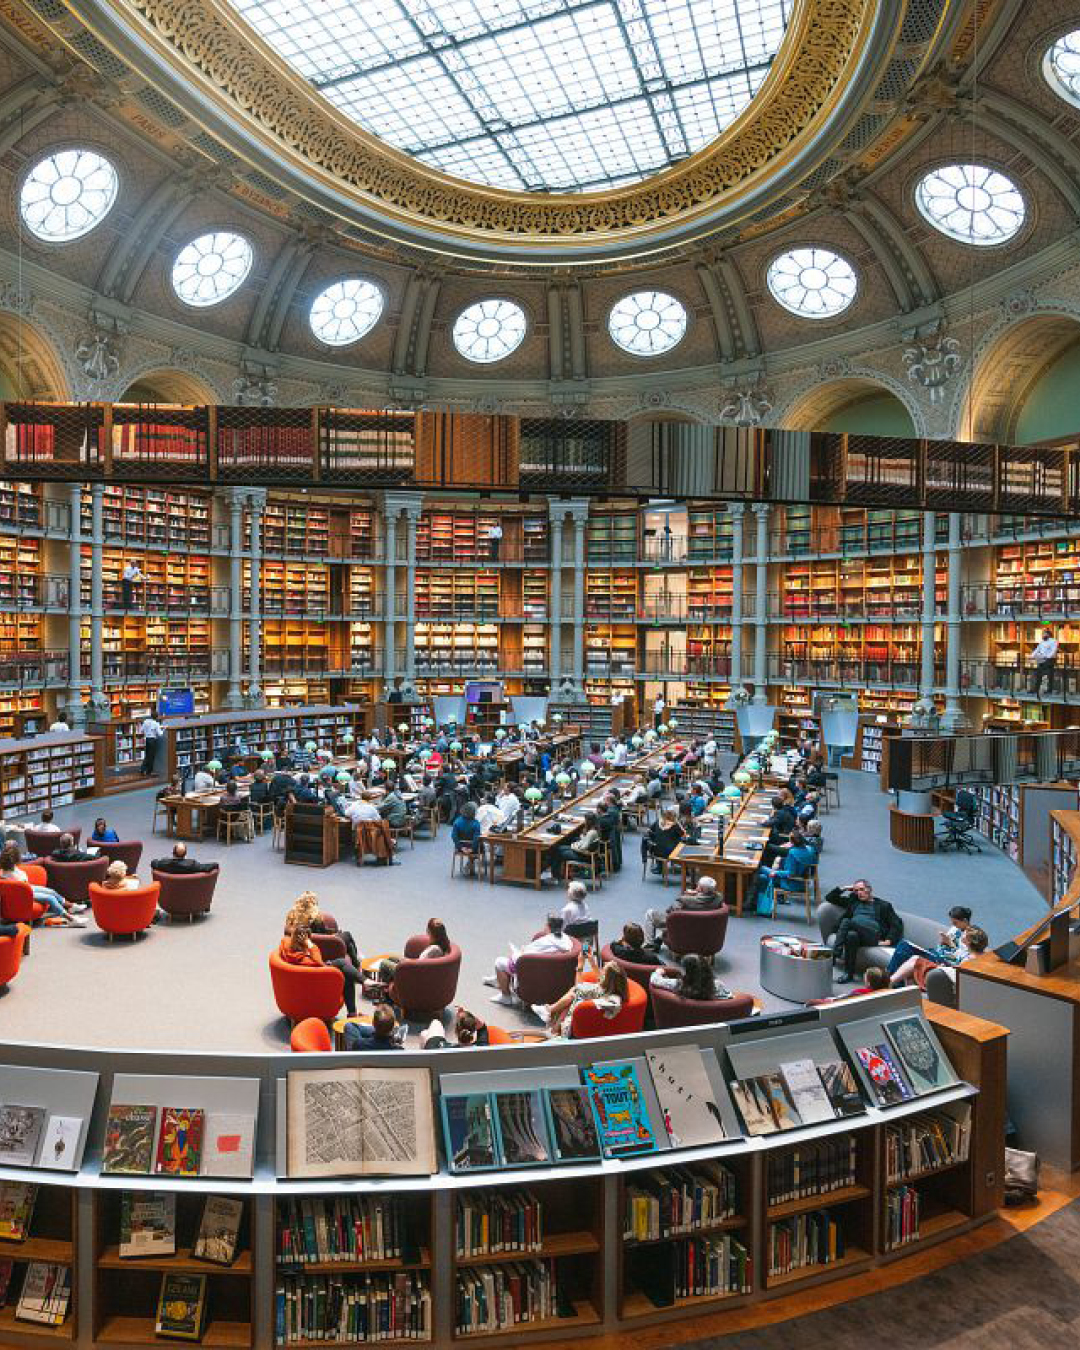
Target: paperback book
(228, 1146)
(888, 1082)
(17, 1200)
(147, 1223)
(841, 1088)
(180, 1142)
(468, 1123)
(129, 1140)
(521, 1129)
(765, 1104)
(573, 1129)
(926, 1066)
(20, 1133)
(60, 1147)
(622, 1117)
(46, 1294)
(219, 1230)
(691, 1114)
(807, 1091)
(181, 1305)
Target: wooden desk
(911, 833)
(743, 846)
(192, 816)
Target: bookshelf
(611, 538)
(709, 534)
(295, 528)
(190, 743)
(795, 719)
(171, 581)
(51, 770)
(702, 719)
(301, 589)
(287, 693)
(19, 709)
(52, 1236)
(456, 536)
(925, 1186)
(1037, 576)
(364, 598)
(154, 517)
(1064, 852)
(20, 571)
(999, 818)
(292, 647)
(610, 595)
(595, 720)
(610, 650)
(463, 648)
(20, 505)
(126, 1288)
(359, 536)
(709, 593)
(456, 594)
(154, 648)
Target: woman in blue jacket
(789, 873)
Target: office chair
(959, 826)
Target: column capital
(763, 510)
(736, 510)
(394, 503)
(577, 509)
(255, 498)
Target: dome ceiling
(532, 95)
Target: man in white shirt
(709, 753)
(658, 710)
(152, 732)
(553, 939)
(495, 535)
(128, 579)
(509, 805)
(1044, 654)
(620, 755)
(203, 781)
(357, 784)
(489, 815)
(59, 725)
(363, 808)
(48, 825)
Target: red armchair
(306, 991)
(72, 880)
(17, 903)
(331, 946)
(310, 1037)
(124, 912)
(185, 894)
(672, 1010)
(640, 974)
(587, 1021)
(422, 989)
(35, 873)
(42, 842)
(11, 952)
(125, 850)
(696, 930)
(544, 977)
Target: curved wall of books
(522, 1191)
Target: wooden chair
(805, 888)
(277, 833)
(483, 866)
(590, 868)
(160, 809)
(832, 788)
(261, 814)
(406, 831)
(238, 823)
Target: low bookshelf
(51, 1236)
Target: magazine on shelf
(219, 1230)
(807, 1091)
(842, 1089)
(129, 1140)
(17, 1199)
(147, 1223)
(359, 1122)
(622, 1113)
(20, 1134)
(179, 1149)
(60, 1145)
(228, 1146)
(46, 1294)
(765, 1104)
(181, 1305)
(572, 1125)
(925, 1063)
(468, 1123)
(691, 1112)
(885, 1077)
(521, 1128)
(898, 1057)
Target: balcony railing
(164, 667)
(984, 600)
(20, 670)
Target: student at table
(581, 849)
(392, 808)
(467, 835)
(203, 781)
(662, 838)
(790, 873)
(102, 834)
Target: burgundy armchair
(543, 977)
(672, 1010)
(72, 879)
(696, 930)
(331, 946)
(127, 851)
(422, 989)
(640, 974)
(42, 842)
(185, 894)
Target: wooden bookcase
(20, 505)
(612, 538)
(301, 589)
(705, 718)
(164, 518)
(1037, 576)
(51, 770)
(171, 581)
(52, 1237)
(20, 571)
(126, 1289)
(190, 743)
(610, 594)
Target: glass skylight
(541, 95)
(211, 268)
(345, 311)
(489, 330)
(972, 203)
(1061, 66)
(814, 283)
(65, 195)
(647, 323)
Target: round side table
(791, 976)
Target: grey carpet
(206, 986)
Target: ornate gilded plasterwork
(824, 43)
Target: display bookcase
(1064, 853)
(52, 1237)
(702, 720)
(51, 770)
(126, 1288)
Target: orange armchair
(306, 991)
(587, 1021)
(310, 1037)
(130, 912)
(35, 873)
(17, 903)
(11, 951)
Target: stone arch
(166, 384)
(1010, 362)
(820, 401)
(30, 364)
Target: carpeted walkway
(206, 986)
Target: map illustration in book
(180, 1306)
(765, 1104)
(180, 1142)
(573, 1129)
(359, 1122)
(888, 1082)
(129, 1139)
(228, 1146)
(469, 1132)
(523, 1138)
(843, 1091)
(691, 1115)
(621, 1115)
(60, 1147)
(20, 1131)
(809, 1096)
(918, 1054)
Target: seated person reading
(552, 939)
(704, 895)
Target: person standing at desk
(1044, 654)
(152, 732)
(495, 535)
(658, 710)
(130, 576)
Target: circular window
(489, 330)
(647, 323)
(344, 312)
(972, 203)
(211, 268)
(814, 283)
(65, 195)
(1061, 67)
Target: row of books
(678, 1201)
(700, 1267)
(902, 1217)
(45, 1296)
(497, 1297)
(810, 1169)
(798, 1093)
(814, 1239)
(487, 1224)
(182, 1143)
(351, 1308)
(31, 1136)
(341, 1228)
(148, 1226)
(938, 1139)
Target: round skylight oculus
(66, 194)
(489, 330)
(647, 323)
(345, 311)
(814, 283)
(971, 203)
(211, 268)
(1061, 67)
